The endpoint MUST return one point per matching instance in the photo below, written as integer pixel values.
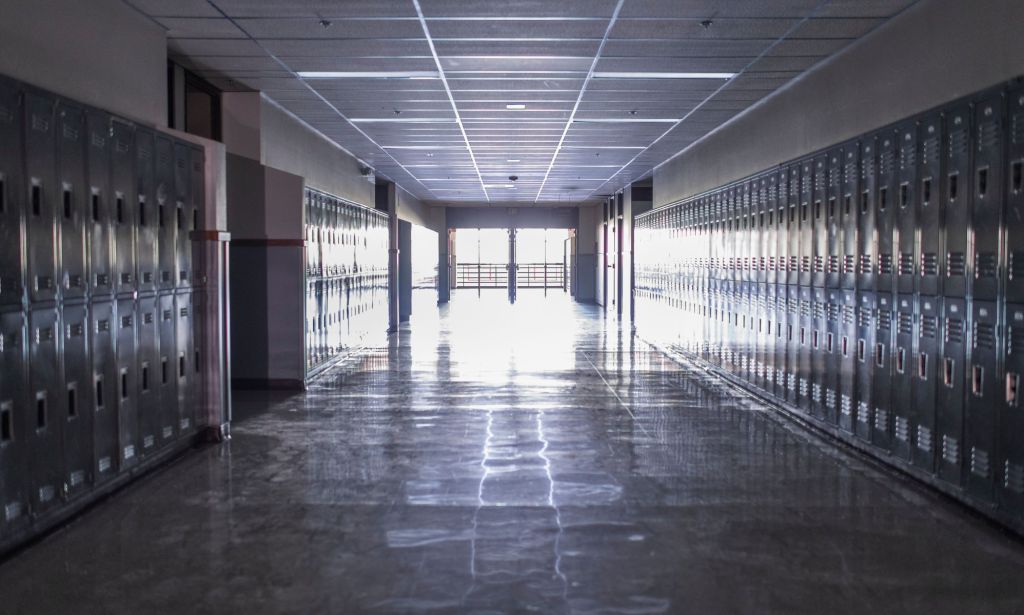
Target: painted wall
(934, 52)
(100, 52)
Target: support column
(404, 270)
(393, 265)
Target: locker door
(793, 224)
(928, 203)
(848, 214)
(906, 206)
(183, 164)
(188, 362)
(805, 328)
(165, 378)
(1010, 465)
(72, 198)
(12, 274)
(96, 209)
(950, 390)
(886, 204)
(102, 382)
(882, 363)
(770, 312)
(834, 220)
(867, 242)
(819, 356)
(982, 400)
(1014, 271)
(150, 212)
(166, 197)
(79, 407)
(865, 351)
(125, 387)
(778, 199)
(41, 196)
(926, 376)
(764, 242)
(195, 218)
(833, 359)
(780, 344)
(819, 221)
(122, 208)
(986, 216)
(903, 373)
(46, 410)
(805, 220)
(769, 241)
(847, 352)
(147, 369)
(956, 190)
(15, 423)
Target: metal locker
(792, 335)
(733, 242)
(848, 360)
(150, 211)
(183, 214)
(955, 193)
(804, 334)
(851, 194)
(122, 208)
(46, 410)
(763, 239)
(818, 339)
(41, 196)
(169, 208)
(906, 206)
(982, 401)
(864, 351)
(71, 194)
(96, 209)
(882, 364)
(1014, 271)
(15, 423)
(834, 220)
(103, 380)
(833, 363)
(193, 222)
(987, 193)
(770, 312)
(867, 234)
(950, 389)
(769, 240)
(886, 204)
(904, 371)
(12, 273)
(777, 198)
(926, 376)
(165, 374)
(124, 388)
(819, 221)
(1010, 464)
(188, 361)
(78, 401)
(147, 369)
(805, 222)
(793, 223)
(929, 204)
(779, 342)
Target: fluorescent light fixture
(499, 186)
(652, 75)
(404, 120)
(625, 120)
(331, 74)
(512, 160)
(515, 106)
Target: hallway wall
(937, 50)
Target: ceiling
(421, 87)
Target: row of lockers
(89, 391)
(91, 205)
(346, 277)
(343, 314)
(875, 287)
(933, 204)
(343, 238)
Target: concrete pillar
(445, 259)
(404, 270)
(391, 202)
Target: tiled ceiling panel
(449, 98)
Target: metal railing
(495, 275)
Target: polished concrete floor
(518, 459)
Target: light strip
(329, 74)
(448, 90)
(579, 98)
(626, 120)
(656, 75)
(402, 120)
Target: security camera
(513, 178)
(364, 171)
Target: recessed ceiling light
(515, 106)
(330, 74)
(500, 186)
(626, 120)
(654, 75)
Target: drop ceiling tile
(339, 28)
(318, 9)
(200, 27)
(442, 29)
(178, 8)
(718, 9)
(214, 47)
(348, 48)
(736, 29)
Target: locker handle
(904, 195)
(977, 380)
(67, 203)
(954, 186)
(95, 207)
(880, 355)
(1012, 386)
(99, 392)
(883, 198)
(926, 191)
(41, 410)
(3, 194)
(922, 366)
(845, 346)
(6, 421)
(37, 200)
(1016, 173)
(72, 400)
(900, 360)
(948, 369)
(982, 181)
(861, 350)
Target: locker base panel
(268, 384)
